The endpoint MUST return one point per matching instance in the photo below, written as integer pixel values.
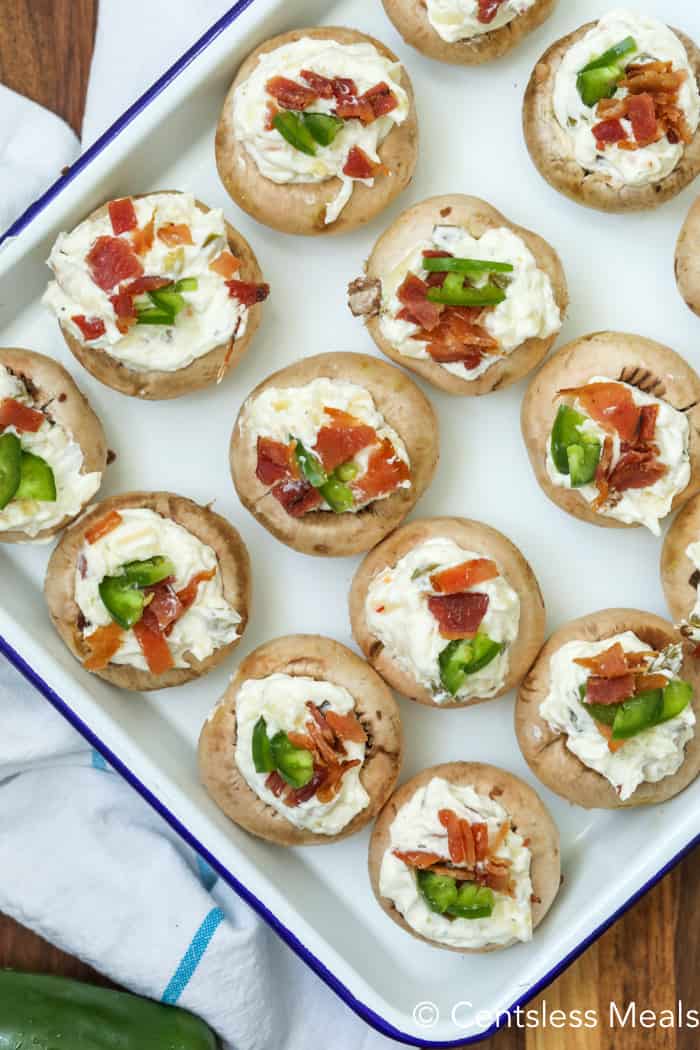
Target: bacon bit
(609, 404)
(333, 780)
(459, 337)
(468, 842)
(142, 238)
(289, 94)
(636, 470)
(413, 294)
(500, 837)
(356, 109)
(295, 796)
(647, 422)
(346, 727)
(145, 284)
(226, 265)
(247, 292)
(641, 111)
(271, 112)
(488, 9)
(612, 108)
(497, 877)
(123, 304)
(301, 740)
(652, 77)
(338, 443)
(640, 659)
(275, 784)
(175, 233)
(385, 472)
(455, 842)
(322, 746)
(359, 166)
(462, 577)
(417, 859)
(459, 615)
(601, 473)
(606, 731)
(103, 644)
(111, 261)
(381, 98)
(122, 215)
(297, 497)
(647, 682)
(275, 461)
(480, 833)
(320, 85)
(187, 596)
(154, 647)
(609, 690)
(459, 874)
(103, 527)
(608, 131)
(612, 663)
(91, 327)
(164, 608)
(320, 720)
(23, 418)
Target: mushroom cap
(687, 261)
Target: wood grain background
(651, 956)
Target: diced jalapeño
(473, 902)
(322, 126)
(676, 697)
(295, 764)
(262, 748)
(37, 479)
(337, 495)
(310, 465)
(10, 467)
(294, 131)
(463, 657)
(123, 600)
(638, 713)
(438, 891)
(150, 571)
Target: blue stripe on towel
(207, 875)
(98, 762)
(193, 956)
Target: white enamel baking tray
(620, 271)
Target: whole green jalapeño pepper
(463, 657)
(10, 467)
(45, 1012)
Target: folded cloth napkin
(84, 861)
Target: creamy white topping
(654, 41)
(397, 613)
(279, 161)
(208, 624)
(649, 505)
(458, 19)
(281, 700)
(211, 317)
(529, 310)
(416, 827)
(299, 412)
(649, 756)
(65, 457)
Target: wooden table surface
(652, 955)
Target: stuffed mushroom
(52, 447)
(688, 259)
(607, 715)
(149, 590)
(611, 113)
(611, 427)
(156, 295)
(460, 295)
(305, 746)
(465, 856)
(318, 133)
(680, 572)
(331, 453)
(466, 32)
(448, 612)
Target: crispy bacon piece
(500, 837)
(111, 261)
(247, 292)
(611, 108)
(462, 577)
(358, 165)
(295, 796)
(23, 418)
(153, 646)
(103, 644)
(385, 472)
(275, 461)
(289, 94)
(647, 422)
(646, 682)
(652, 77)
(612, 663)
(606, 731)
(103, 527)
(342, 440)
(124, 309)
(346, 727)
(416, 858)
(333, 779)
(636, 469)
(641, 111)
(601, 473)
(320, 85)
(455, 841)
(175, 233)
(226, 265)
(323, 747)
(122, 215)
(187, 595)
(275, 784)
(480, 834)
(344, 87)
(297, 497)
(468, 842)
(608, 131)
(497, 877)
(413, 296)
(488, 9)
(459, 874)
(164, 608)
(91, 327)
(145, 284)
(609, 690)
(609, 404)
(142, 237)
(381, 98)
(301, 740)
(459, 615)
(271, 111)
(459, 337)
(356, 109)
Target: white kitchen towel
(83, 860)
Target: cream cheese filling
(455, 20)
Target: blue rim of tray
(18, 661)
